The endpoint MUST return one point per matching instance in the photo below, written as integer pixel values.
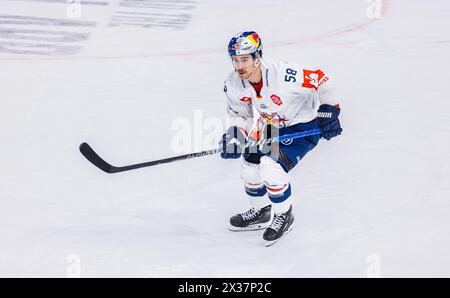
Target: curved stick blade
(96, 160)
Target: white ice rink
(123, 74)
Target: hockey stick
(96, 160)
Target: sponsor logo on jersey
(276, 99)
(287, 142)
(313, 78)
(323, 80)
(246, 99)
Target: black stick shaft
(96, 160)
(167, 160)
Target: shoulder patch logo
(313, 78)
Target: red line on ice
(347, 29)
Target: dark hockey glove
(329, 121)
(232, 143)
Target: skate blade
(270, 243)
(256, 227)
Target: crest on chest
(276, 99)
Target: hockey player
(289, 99)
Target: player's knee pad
(272, 172)
(254, 185)
(275, 179)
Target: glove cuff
(328, 111)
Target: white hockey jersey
(290, 94)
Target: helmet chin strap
(254, 69)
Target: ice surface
(376, 196)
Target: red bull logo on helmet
(254, 38)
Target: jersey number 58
(290, 75)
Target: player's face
(244, 65)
